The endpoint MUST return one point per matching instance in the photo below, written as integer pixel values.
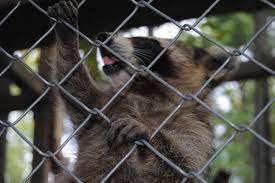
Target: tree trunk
(151, 31)
(48, 124)
(261, 153)
(4, 83)
(3, 143)
(44, 129)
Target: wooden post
(261, 152)
(3, 117)
(151, 31)
(3, 143)
(42, 129)
(43, 117)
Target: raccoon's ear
(212, 59)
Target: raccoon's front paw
(66, 10)
(124, 131)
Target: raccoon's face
(189, 66)
(136, 51)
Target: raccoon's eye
(145, 43)
(147, 46)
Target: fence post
(151, 31)
(43, 130)
(3, 143)
(3, 116)
(261, 152)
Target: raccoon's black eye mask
(164, 66)
(148, 47)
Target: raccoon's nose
(102, 36)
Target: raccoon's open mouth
(109, 64)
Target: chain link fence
(244, 128)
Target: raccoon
(140, 109)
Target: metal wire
(244, 128)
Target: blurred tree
(235, 30)
(232, 30)
(48, 128)
(3, 117)
(3, 143)
(19, 153)
(261, 153)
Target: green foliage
(31, 59)
(236, 157)
(15, 90)
(90, 61)
(234, 160)
(19, 153)
(232, 30)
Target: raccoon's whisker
(138, 48)
(142, 56)
(142, 50)
(120, 49)
(149, 57)
(145, 54)
(149, 54)
(139, 59)
(146, 58)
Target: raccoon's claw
(125, 131)
(66, 10)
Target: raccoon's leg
(79, 84)
(187, 146)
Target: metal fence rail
(245, 128)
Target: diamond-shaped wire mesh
(245, 128)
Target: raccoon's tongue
(108, 61)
